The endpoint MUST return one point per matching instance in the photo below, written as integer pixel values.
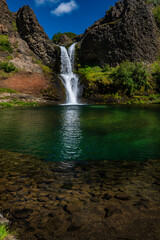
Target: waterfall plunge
(68, 77)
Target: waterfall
(68, 77)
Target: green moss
(5, 44)
(47, 70)
(14, 26)
(7, 90)
(16, 103)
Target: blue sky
(65, 15)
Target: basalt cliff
(33, 54)
(127, 32)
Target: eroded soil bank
(80, 201)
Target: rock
(76, 223)
(6, 19)
(23, 213)
(110, 211)
(3, 220)
(65, 41)
(127, 32)
(121, 196)
(38, 41)
(13, 188)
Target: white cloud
(41, 2)
(65, 8)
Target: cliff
(28, 58)
(127, 32)
(38, 41)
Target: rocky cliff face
(6, 19)
(30, 45)
(127, 32)
(38, 41)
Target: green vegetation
(3, 232)
(7, 90)
(14, 26)
(155, 75)
(129, 77)
(16, 103)
(156, 13)
(5, 44)
(125, 79)
(127, 83)
(9, 57)
(156, 10)
(154, 2)
(7, 67)
(58, 35)
(47, 70)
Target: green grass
(5, 44)
(3, 232)
(17, 103)
(7, 90)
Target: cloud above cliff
(65, 8)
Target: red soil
(30, 83)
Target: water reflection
(71, 135)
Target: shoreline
(22, 99)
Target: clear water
(59, 133)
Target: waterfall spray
(68, 77)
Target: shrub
(5, 44)
(129, 77)
(156, 74)
(7, 67)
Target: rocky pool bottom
(80, 200)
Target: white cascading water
(68, 77)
